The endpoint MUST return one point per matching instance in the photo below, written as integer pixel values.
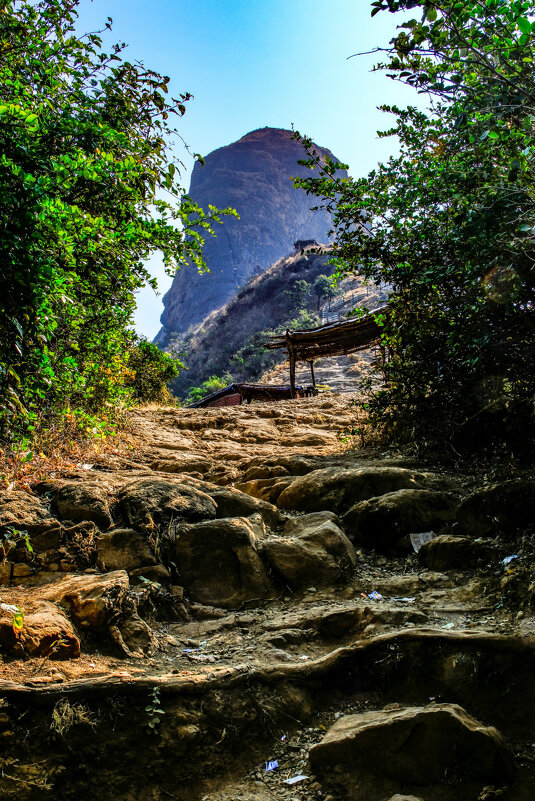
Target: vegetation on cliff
(450, 225)
(228, 345)
(85, 138)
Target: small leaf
(524, 25)
(18, 621)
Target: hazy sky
(252, 63)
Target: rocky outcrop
(313, 550)
(424, 746)
(218, 562)
(337, 489)
(384, 522)
(254, 176)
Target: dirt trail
(243, 584)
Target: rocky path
(237, 611)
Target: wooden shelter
(333, 339)
(235, 394)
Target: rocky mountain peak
(254, 176)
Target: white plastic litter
(271, 765)
(295, 779)
(417, 540)
(509, 559)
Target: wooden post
(311, 363)
(291, 356)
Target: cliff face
(252, 175)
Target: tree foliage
(150, 370)
(90, 188)
(449, 224)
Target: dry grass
(60, 449)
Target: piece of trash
(363, 594)
(202, 657)
(283, 738)
(509, 559)
(375, 596)
(417, 540)
(17, 614)
(405, 600)
(189, 650)
(271, 765)
(449, 626)
(304, 656)
(300, 778)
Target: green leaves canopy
(89, 190)
(449, 225)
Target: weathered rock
(46, 632)
(103, 603)
(80, 501)
(265, 471)
(449, 553)
(415, 746)
(218, 562)
(25, 512)
(266, 489)
(233, 503)
(182, 464)
(399, 797)
(338, 488)
(123, 549)
(291, 464)
(47, 540)
(147, 502)
(157, 573)
(251, 175)
(313, 551)
(383, 522)
(500, 509)
(91, 599)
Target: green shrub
(151, 370)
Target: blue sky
(252, 63)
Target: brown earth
(217, 583)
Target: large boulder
(413, 746)
(46, 633)
(447, 552)
(266, 489)
(501, 509)
(103, 603)
(152, 501)
(218, 562)
(123, 549)
(339, 488)
(80, 501)
(24, 512)
(233, 503)
(313, 551)
(382, 523)
(91, 599)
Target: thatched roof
(334, 339)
